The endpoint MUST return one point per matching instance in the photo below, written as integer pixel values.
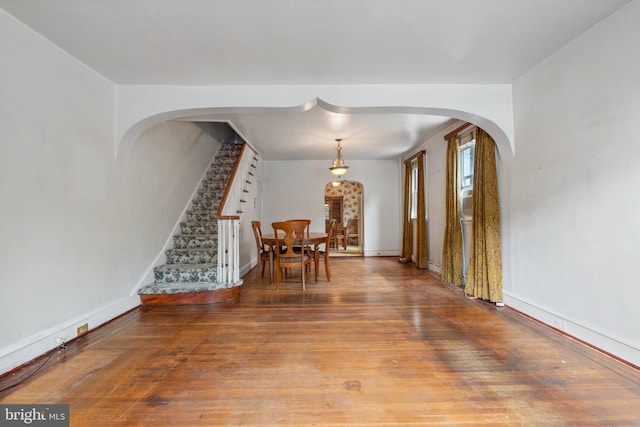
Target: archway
(142, 107)
(344, 202)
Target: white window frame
(465, 142)
(461, 149)
(414, 189)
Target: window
(414, 189)
(466, 156)
(467, 152)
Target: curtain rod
(415, 156)
(457, 131)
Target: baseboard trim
(44, 341)
(435, 268)
(589, 336)
(381, 253)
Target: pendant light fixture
(338, 168)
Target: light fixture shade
(338, 168)
(339, 171)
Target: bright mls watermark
(34, 415)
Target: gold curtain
(452, 249)
(407, 230)
(422, 251)
(484, 276)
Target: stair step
(210, 184)
(192, 256)
(216, 182)
(205, 194)
(223, 168)
(214, 187)
(179, 288)
(199, 227)
(204, 241)
(201, 216)
(226, 161)
(172, 273)
(205, 204)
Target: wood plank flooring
(382, 344)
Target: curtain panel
(422, 251)
(484, 276)
(452, 248)
(407, 234)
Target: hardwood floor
(382, 344)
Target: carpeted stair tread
(206, 204)
(180, 288)
(192, 256)
(200, 215)
(203, 241)
(187, 266)
(173, 273)
(191, 250)
(192, 228)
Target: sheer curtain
(452, 248)
(484, 276)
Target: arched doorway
(343, 200)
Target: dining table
(312, 238)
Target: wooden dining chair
(308, 221)
(351, 232)
(263, 250)
(338, 236)
(288, 235)
(325, 252)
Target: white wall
(79, 229)
(436, 177)
(575, 188)
(56, 187)
(295, 189)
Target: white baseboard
(612, 345)
(38, 344)
(437, 268)
(380, 252)
(248, 267)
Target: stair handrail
(232, 179)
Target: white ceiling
(314, 42)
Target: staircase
(190, 273)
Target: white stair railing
(228, 272)
(228, 217)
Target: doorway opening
(343, 201)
